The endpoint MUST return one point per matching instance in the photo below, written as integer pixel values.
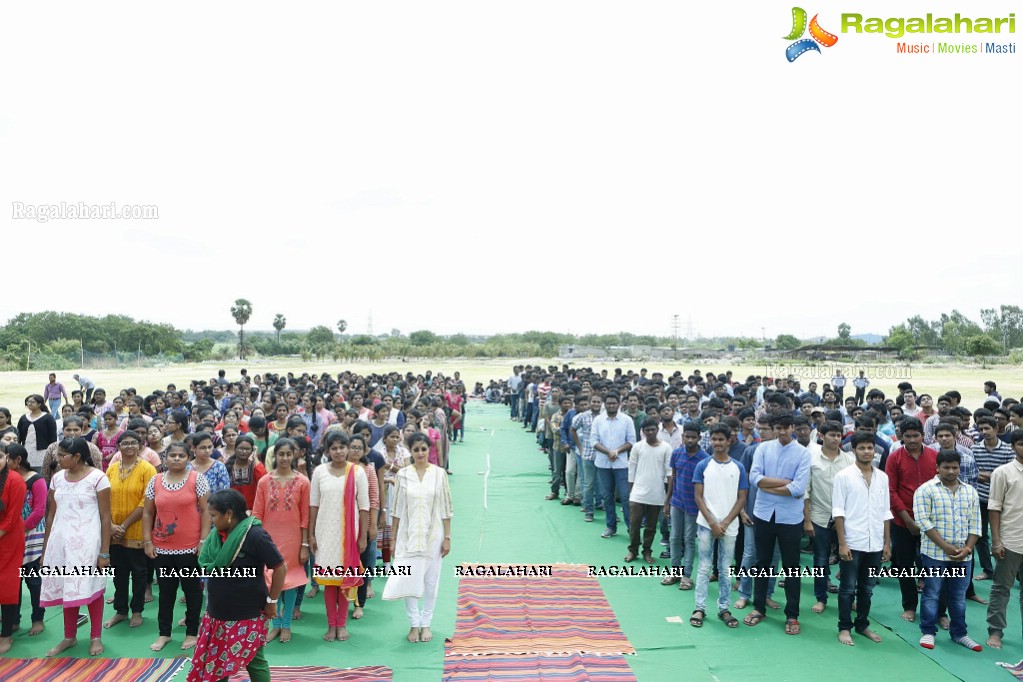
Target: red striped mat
(89, 669)
(573, 668)
(563, 613)
(316, 673)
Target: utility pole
(674, 335)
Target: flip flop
(753, 618)
(791, 626)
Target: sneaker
(968, 643)
(588, 518)
(608, 533)
(927, 641)
(665, 554)
(664, 542)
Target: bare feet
(149, 595)
(845, 638)
(413, 635)
(943, 622)
(772, 604)
(818, 607)
(871, 635)
(357, 613)
(909, 616)
(296, 614)
(189, 643)
(272, 635)
(36, 629)
(342, 634)
(181, 623)
(96, 646)
(977, 598)
(136, 620)
(114, 620)
(741, 603)
(5, 644)
(425, 635)
(312, 591)
(285, 635)
(109, 600)
(160, 643)
(330, 635)
(64, 644)
(181, 599)
(995, 641)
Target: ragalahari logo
(817, 35)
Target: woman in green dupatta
(239, 606)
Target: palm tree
(241, 311)
(342, 326)
(279, 323)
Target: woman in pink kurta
(282, 504)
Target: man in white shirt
(514, 384)
(826, 462)
(860, 504)
(838, 384)
(649, 466)
(910, 408)
(861, 382)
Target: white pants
(421, 618)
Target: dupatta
(350, 555)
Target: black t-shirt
(376, 459)
(244, 598)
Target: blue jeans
(527, 414)
(514, 407)
(749, 560)
(726, 548)
(858, 584)
(954, 590)
(610, 481)
(683, 540)
(590, 485)
(823, 536)
(54, 407)
(536, 414)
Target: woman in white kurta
(77, 536)
(422, 530)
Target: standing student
(613, 435)
(581, 430)
(860, 506)
(681, 507)
(781, 471)
(34, 514)
(245, 469)
(358, 455)
(37, 429)
(77, 534)
(12, 547)
(422, 531)
(649, 466)
(861, 382)
(720, 488)
(1005, 512)
(339, 526)
(233, 631)
(53, 391)
(908, 468)
(948, 513)
(128, 481)
(282, 504)
(175, 523)
(989, 454)
(826, 462)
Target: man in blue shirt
(781, 472)
(613, 435)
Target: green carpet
(512, 523)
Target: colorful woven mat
(89, 669)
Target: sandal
(754, 618)
(685, 584)
(791, 626)
(728, 619)
(697, 621)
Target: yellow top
(127, 495)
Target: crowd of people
(735, 474)
(242, 493)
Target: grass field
(934, 379)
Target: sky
(488, 167)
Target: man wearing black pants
(781, 472)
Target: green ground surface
(503, 517)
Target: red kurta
(12, 544)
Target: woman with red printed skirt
(339, 523)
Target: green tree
(241, 311)
(787, 342)
(280, 322)
(982, 344)
(900, 338)
(422, 337)
(319, 336)
(844, 331)
(342, 325)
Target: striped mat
(1016, 670)
(316, 673)
(573, 668)
(564, 613)
(89, 669)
